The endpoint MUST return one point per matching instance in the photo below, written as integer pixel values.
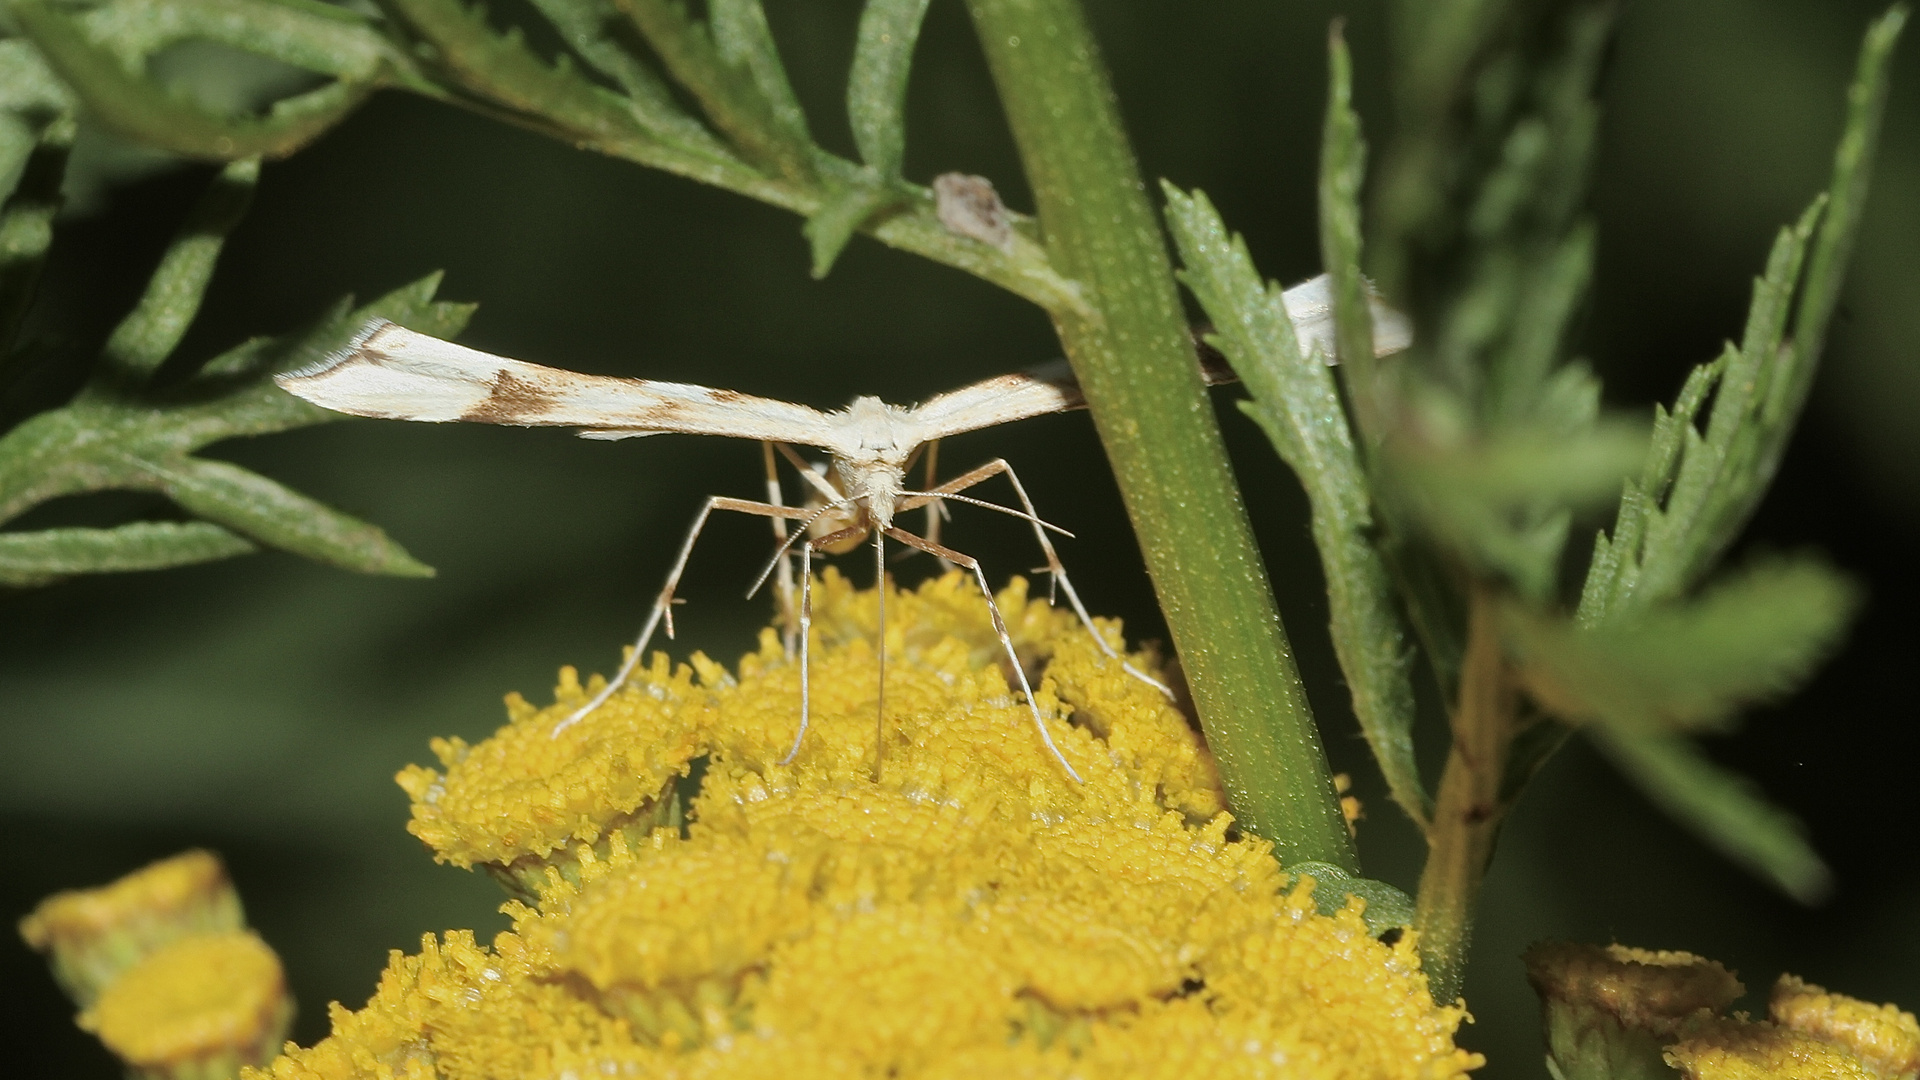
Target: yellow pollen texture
(202, 996)
(929, 895)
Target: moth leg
(880, 695)
(1056, 572)
(937, 509)
(783, 572)
(663, 606)
(806, 617)
(806, 625)
(999, 627)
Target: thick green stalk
(1131, 351)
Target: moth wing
(1048, 388)
(394, 373)
(1310, 306)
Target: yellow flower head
(93, 935)
(1731, 1049)
(164, 970)
(199, 1007)
(1655, 991)
(1883, 1037)
(692, 907)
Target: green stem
(1468, 809)
(1130, 349)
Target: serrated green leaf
(149, 333)
(1718, 477)
(845, 211)
(135, 107)
(1615, 569)
(36, 558)
(1724, 808)
(877, 81)
(1687, 665)
(1296, 403)
(1701, 487)
(1387, 907)
(274, 514)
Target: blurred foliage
(1692, 164)
(1475, 451)
(136, 422)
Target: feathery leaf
(1297, 404)
(1688, 664)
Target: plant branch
(1470, 804)
(1135, 362)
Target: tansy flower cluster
(923, 895)
(1620, 1011)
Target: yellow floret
(1738, 1050)
(1654, 991)
(1883, 1037)
(202, 1005)
(95, 934)
(970, 910)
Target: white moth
(394, 373)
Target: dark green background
(260, 706)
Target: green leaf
(322, 38)
(501, 70)
(1700, 488)
(26, 232)
(1852, 169)
(731, 95)
(1343, 168)
(1718, 478)
(1387, 907)
(36, 558)
(1523, 465)
(1503, 500)
(845, 211)
(273, 514)
(877, 81)
(1722, 807)
(149, 333)
(1687, 665)
(585, 24)
(117, 437)
(136, 107)
(1297, 404)
(744, 40)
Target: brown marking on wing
(511, 401)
